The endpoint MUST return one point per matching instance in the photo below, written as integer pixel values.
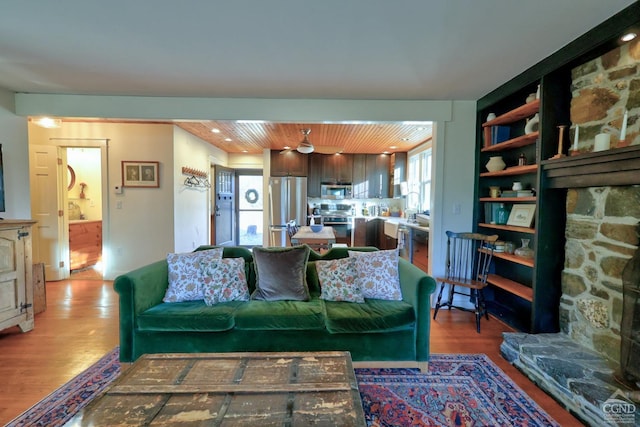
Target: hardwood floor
(80, 325)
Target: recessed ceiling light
(48, 122)
(393, 147)
(286, 147)
(215, 130)
(244, 151)
(628, 37)
(406, 139)
(228, 139)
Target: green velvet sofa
(377, 330)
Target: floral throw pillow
(338, 280)
(186, 274)
(378, 275)
(226, 281)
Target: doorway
(59, 192)
(84, 206)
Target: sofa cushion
(188, 316)
(281, 273)
(281, 315)
(378, 275)
(373, 316)
(338, 280)
(228, 281)
(186, 274)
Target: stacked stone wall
(600, 239)
(602, 89)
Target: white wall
(137, 224)
(191, 205)
(453, 183)
(15, 152)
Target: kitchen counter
(394, 223)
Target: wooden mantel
(619, 166)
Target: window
(419, 181)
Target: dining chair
(292, 229)
(467, 266)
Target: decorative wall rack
(196, 178)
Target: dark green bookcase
(525, 293)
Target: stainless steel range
(340, 218)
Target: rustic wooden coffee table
(231, 389)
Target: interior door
(49, 244)
(224, 206)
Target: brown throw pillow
(281, 273)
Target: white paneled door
(49, 243)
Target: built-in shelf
(514, 170)
(510, 286)
(528, 262)
(507, 199)
(508, 228)
(520, 141)
(519, 113)
(514, 258)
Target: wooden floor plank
(80, 325)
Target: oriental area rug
(458, 390)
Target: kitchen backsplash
(363, 207)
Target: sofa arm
(138, 291)
(417, 288)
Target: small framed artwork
(521, 215)
(140, 174)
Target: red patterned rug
(458, 390)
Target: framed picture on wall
(140, 174)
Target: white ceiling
(342, 49)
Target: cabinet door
(290, 163)
(337, 168)
(360, 187)
(12, 278)
(314, 179)
(397, 173)
(360, 232)
(377, 175)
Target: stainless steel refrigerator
(288, 201)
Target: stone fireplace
(601, 237)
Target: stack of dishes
(498, 246)
(524, 193)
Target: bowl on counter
(316, 228)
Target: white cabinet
(16, 275)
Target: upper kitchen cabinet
(337, 168)
(333, 168)
(397, 173)
(290, 163)
(377, 175)
(371, 176)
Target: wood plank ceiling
(254, 136)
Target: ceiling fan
(306, 147)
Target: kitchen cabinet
(377, 175)
(85, 244)
(314, 178)
(290, 163)
(16, 275)
(397, 173)
(333, 168)
(371, 176)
